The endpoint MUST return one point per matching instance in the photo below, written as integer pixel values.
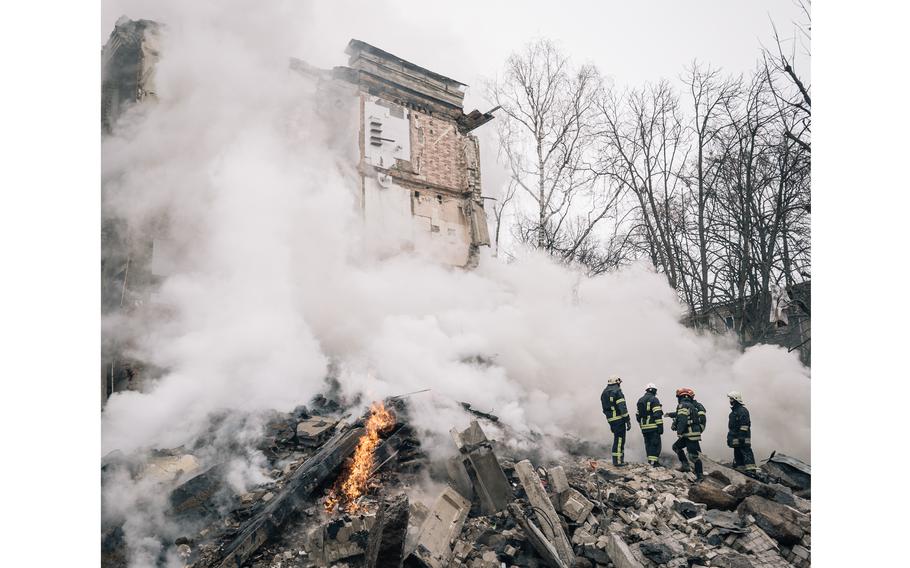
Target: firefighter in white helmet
(739, 434)
(650, 417)
(613, 403)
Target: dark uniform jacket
(739, 426)
(649, 413)
(702, 415)
(687, 421)
(613, 403)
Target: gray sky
(630, 42)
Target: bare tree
(643, 152)
(547, 141)
(710, 93)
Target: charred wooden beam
(312, 473)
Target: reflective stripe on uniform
(615, 418)
(649, 426)
(656, 408)
(744, 428)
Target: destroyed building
(418, 168)
(419, 164)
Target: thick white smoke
(269, 280)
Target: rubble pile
(492, 511)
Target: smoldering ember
(351, 475)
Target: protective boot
(684, 461)
(699, 471)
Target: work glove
(628, 425)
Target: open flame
(354, 484)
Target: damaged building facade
(417, 167)
(419, 164)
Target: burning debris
(346, 495)
(349, 501)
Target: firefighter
(613, 403)
(650, 417)
(688, 424)
(739, 434)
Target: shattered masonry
(581, 512)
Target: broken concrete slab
(620, 554)
(315, 430)
(782, 523)
(170, 468)
(792, 472)
(458, 476)
(544, 511)
(442, 525)
(196, 496)
(537, 538)
(482, 468)
(713, 495)
(385, 545)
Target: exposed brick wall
(438, 152)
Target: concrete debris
(169, 468)
(315, 430)
(385, 545)
(442, 525)
(546, 515)
(789, 471)
(578, 513)
(482, 468)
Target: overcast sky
(630, 42)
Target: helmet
(614, 380)
(735, 395)
(685, 391)
(650, 386)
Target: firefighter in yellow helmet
(613, 403)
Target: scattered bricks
(582, 537)
(268, 497)
(510, 551)
(575, 506)
(558, 480)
